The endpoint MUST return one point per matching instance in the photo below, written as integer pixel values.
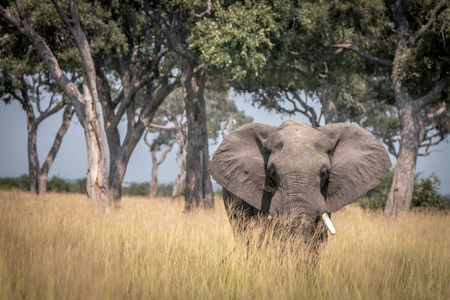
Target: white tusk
(326, 220)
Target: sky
(71, 161)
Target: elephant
(296, 170)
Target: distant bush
(21, 183)
(80, 186)
(59, 185)
(425, 194)
(136, 189)
(164, 190)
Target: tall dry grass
(58, 247)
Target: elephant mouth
(298, 219)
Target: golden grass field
(58, 247)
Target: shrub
(21, 183)
(426, 193)
(136, 189)
(59, 185)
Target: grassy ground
(58, 247)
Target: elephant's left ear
(359, 162)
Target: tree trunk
(327, 95)
(198, 191)
(180, 181)
(97, 174)
(154, 184)
(400, 194)
(132, 138)
(43, 172)
(42, 183)
(33, 160)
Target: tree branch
(432, 18)
(438, 112)
(67, 117)
(165, 152)
(434, 92)
(66, 19)
(47, 56)
(206, 12)
(288, 68)
(162, 127)
(360, 52)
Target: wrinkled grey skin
(296, 170)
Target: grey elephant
(296, 169)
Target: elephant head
(296, 168)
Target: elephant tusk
(326, 220)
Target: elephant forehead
(303, 138)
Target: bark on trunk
(400, 194)
(42, 183)
(198, 190)
(180, 181)
(120, 166)
(97, 174)
(327, 95)
(33, 160)
(154, 184)
(43, 172)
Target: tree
(28, 91)
(186, 24)
(174, 20)
(134, 79)
(419, 75)
(156, 146)
(222, 114)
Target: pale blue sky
(71, 162)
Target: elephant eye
(271, 172)
(324, 173)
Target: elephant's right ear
(239, 163)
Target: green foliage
(79, 187)
(164, 190)
(236, 40)
(136, 189)
(59, 185)
(21, 183)
(142, 189)
(425, 194)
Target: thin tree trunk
(43, 172)
(180, 181)
(327, 95)
(154, 184)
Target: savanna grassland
(58, 247)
